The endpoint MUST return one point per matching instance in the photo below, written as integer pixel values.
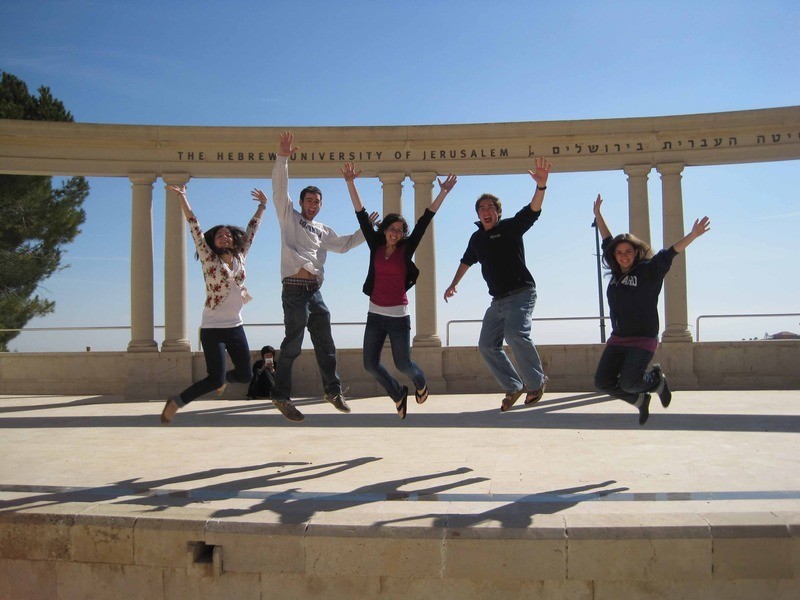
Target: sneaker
(338, 402)
(663, 389)
(288, 410)
(644, 409)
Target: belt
(512, 292)
(301, 282)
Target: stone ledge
(579, 547)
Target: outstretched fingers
(449, 183)
(259, 196)
(349, 171)
(701, 226)
(597, 204)
(541, 172)
(287, 138)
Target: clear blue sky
(321, 63)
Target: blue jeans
(215, 343)
(399, 331)
(303, 308)
(510, 318)
(622, 373)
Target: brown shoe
(536, 395)
(338, 402)
(170, 408)
(509, 400)
(288, 410)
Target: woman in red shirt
(391, 273)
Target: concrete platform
(569, 498)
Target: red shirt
(390, 277)
(643, 343)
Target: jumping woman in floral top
(221, 251)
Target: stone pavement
(569, 498)
(455, 459)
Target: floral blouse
(216, 274)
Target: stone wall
(767, 364)
(91, 554)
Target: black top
(262, 382)
(502, 254)
(633, 298)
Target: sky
(319, 63)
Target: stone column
(176, 327)
(142, 339)
(676, 327)
(392, 192)
(425, 258)
(638, 205)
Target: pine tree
(36, 219)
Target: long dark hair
(640, 247)
(237, 233)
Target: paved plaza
(455, 460)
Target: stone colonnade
(635, 146)
(176, 335)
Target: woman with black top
(636, 280)
(391, 273)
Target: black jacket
(377, 240)
(501, 253)
(262, 381)
(633, 299)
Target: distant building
(785, 335)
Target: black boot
(663, 389)
(644, 409)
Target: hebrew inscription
(579, 148)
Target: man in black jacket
(498, 246)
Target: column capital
(423, 177)
(142, 178)
(670, 168)
(175, 178)
(637, 170)
(391, 178)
